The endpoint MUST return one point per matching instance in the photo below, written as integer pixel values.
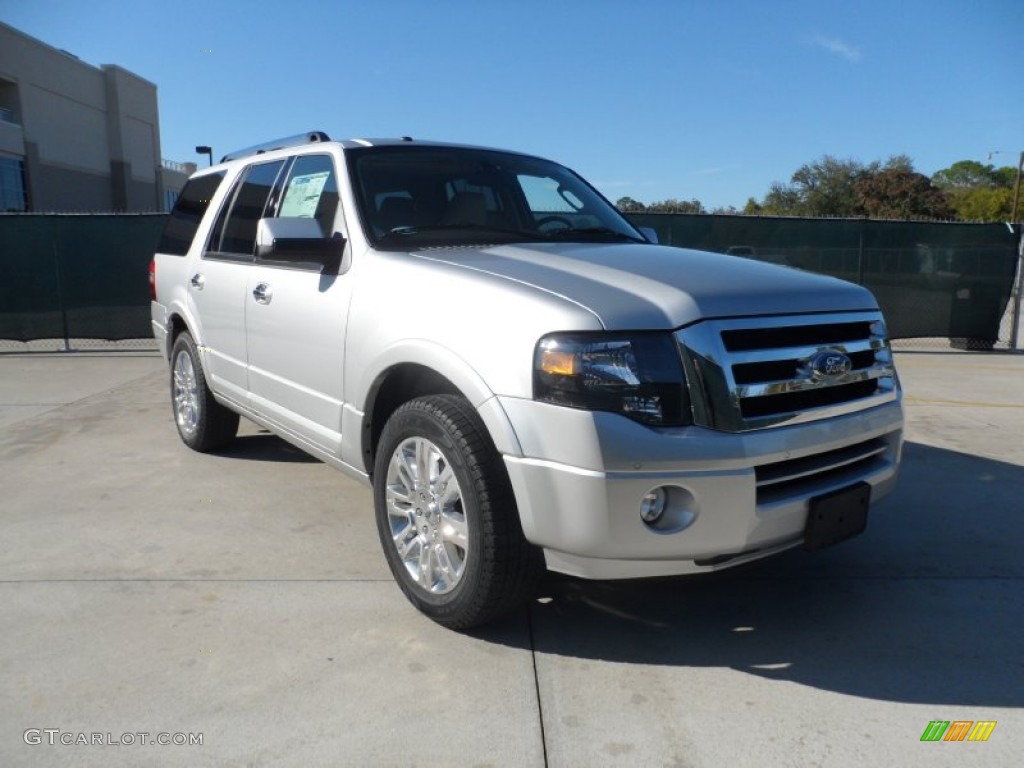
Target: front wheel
(203, 424)
(447, 517)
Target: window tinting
(187, 213)
(222, 216)
(429, 196)
(247, 209)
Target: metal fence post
(860, 251)
(1015, 327)
(60, 286)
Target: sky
(651, 99)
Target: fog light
(652, 505)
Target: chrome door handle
(262, 293)
(198, 281)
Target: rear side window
(235, 231)
(188, 211)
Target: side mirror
(650, 234)
(298, 242)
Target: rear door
(217, 287)
(296, 316)
(171, 262)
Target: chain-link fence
(80, 281)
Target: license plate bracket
(837, 516)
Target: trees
(893, 189)
(629, 205)
(966, 174)
(671, 205)
(983, 203)
(823, 187)
(899, 193)
(783, 200)
(831, 186)
(978, 192)
(827, 187)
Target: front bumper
(582, 475)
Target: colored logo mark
(958, 730)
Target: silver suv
(526, 379)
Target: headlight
(636, 374)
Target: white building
(74, 137)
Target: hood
(636, 286)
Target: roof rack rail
(310, 137)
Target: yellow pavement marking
(912, 400)
(903, 363)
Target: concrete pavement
(243, 597)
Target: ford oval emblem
(829, 364)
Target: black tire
(203, 424)
(500, 569)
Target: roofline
(317, 140)
(72, 57)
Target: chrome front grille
(754, 373)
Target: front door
(295, 320)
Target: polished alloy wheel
(425, 515)
(186, 394)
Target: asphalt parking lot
(146, 589)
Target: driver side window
(311, 192)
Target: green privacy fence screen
(85, 276)
(932, 279)
(76, 276)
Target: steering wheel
(544, 222)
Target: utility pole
(1015, 219)
(1015, 228)
(1016, 191)
(1015, 329)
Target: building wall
(89, 137)
(59, 188)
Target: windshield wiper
(592, 232)
(410, 231)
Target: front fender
(442, 361)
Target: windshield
(419, 197)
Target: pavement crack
(536, 685)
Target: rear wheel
(203, 424)
(446, 515)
